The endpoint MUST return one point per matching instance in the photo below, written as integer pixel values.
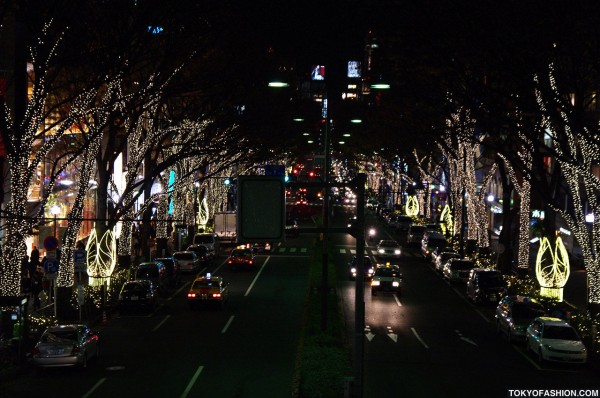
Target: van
(155, 272)
(211, 241)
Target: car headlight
(370, 270)
(381, 251)
(375, 283)
(395, 283)
(397, 251)
(353, 270)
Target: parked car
(415, 235)
(387, 278)
(389, 248)
(440, 259)
(205, 256)
(367, 266)
(137, 295)
(154, 271)
(485, 285)
(457, 269)
(553, 339)
(172, 268)
(515, 313)
(188, 261)
(211, 241)
(431, 242)
(241, 257)
(403, 223)
(66, 345)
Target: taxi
(207, 289)
(386, 278)
(241, 256)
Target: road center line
(256, 277)
(89, 393)
(227, 324)
(397, 301)
(419, 338)
(161, 323)
(192, 381)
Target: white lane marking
(89, 393)
(256, 277)
(527, 358)
(192, 382)
(282, 250)
(293, 250)
(220, 265)
(227, 324)
(392, 335)
(483, 316)
(178, 291)
(419, 338)
(342, 251)
(353, 251)
(397, 301)
(368, 333)
(161, 323)
(303, 250)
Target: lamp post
(55, 211)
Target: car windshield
(491, 279)
(240, 253)
(462, 265)
(166, 261)
(526, 312)
(389, 243)
(147, 273)
(387, 272)
(59, 336)
(203, 239)
(559, 333)
(183, 256)
(204, 284)
(134, 288)
(366, 262)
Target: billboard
(354, 69)
(318, 72)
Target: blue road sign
(51, 265)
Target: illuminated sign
(318, 72)
(353, 69)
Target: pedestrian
(36, 288)
(35, 256)
(25, 276)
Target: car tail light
(250, 262)
(229, 262)
(216, 295)
(75, 350)
(191, 295)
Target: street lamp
(55, 211)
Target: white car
(457, 269)
(389, 248)
(553, 339)
(187, 261)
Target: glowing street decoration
(101, 257)
(552, 277)
(412, 206)
(446, 218)
(203, 214)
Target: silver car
(65, 345)
(389, 248)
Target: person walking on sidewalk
(36, 288)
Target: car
(205, 256)
(403, 223)
(66, 345)
(172, 268)
(208, 289)
(553, 339)
(259, 247)
(457, 269)
(485, 286)
(440, 259)
(210, 240)
(137, 295)
(514, 314)
(389, 248)
(386, 278)
(415, 235)
(242, 257)
(154, 271)
(188, 261)
(367, 266)
(291, 228)
(431, 242)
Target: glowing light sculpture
(552, 268)
(412, 206)
(446, 218)
(101, 257)
(203, 213)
